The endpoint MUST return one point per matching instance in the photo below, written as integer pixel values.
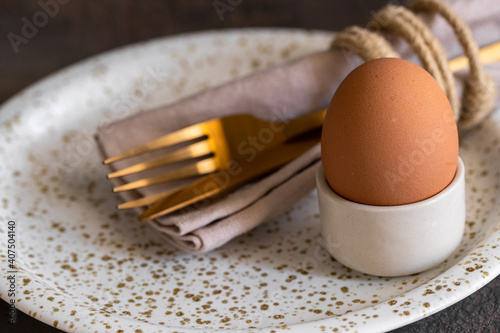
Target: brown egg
(389, 136)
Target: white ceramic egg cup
(393, 240)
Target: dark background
(82, 28)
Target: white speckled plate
(84, 267)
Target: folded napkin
(295, 88)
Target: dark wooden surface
(82, 28)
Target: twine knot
(479, 93)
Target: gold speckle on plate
(85, 266)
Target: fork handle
(294, 127)
(487, 54)
(225, 180)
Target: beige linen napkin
(286, 91)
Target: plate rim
(6, 110)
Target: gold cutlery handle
(239, 173)
(487, 54)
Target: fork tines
(201, 152)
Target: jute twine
(479, 93)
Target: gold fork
(223, 181)
(223, 140)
